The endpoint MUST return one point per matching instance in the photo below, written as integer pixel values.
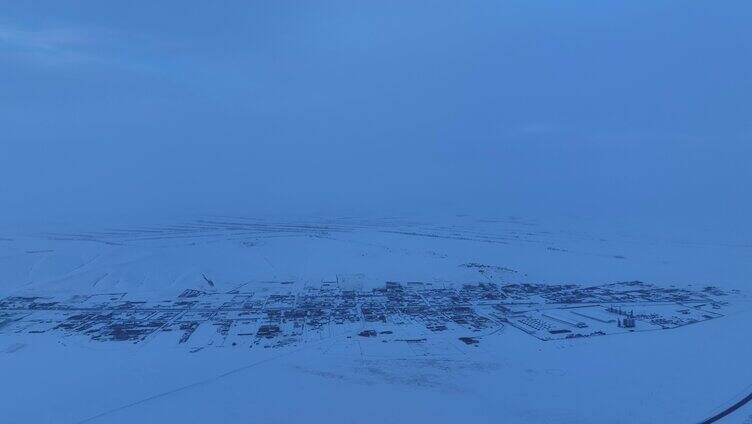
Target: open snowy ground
(239, 319)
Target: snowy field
(389, 320)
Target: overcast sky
(586, 108)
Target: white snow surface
(676, 375)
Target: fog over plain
(375, 211)
(625, 111)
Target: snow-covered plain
(392, 369)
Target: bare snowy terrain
(236, 319)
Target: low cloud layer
(591, 109)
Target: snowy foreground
(233, 319)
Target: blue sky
(496, 107)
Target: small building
(628, 322)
